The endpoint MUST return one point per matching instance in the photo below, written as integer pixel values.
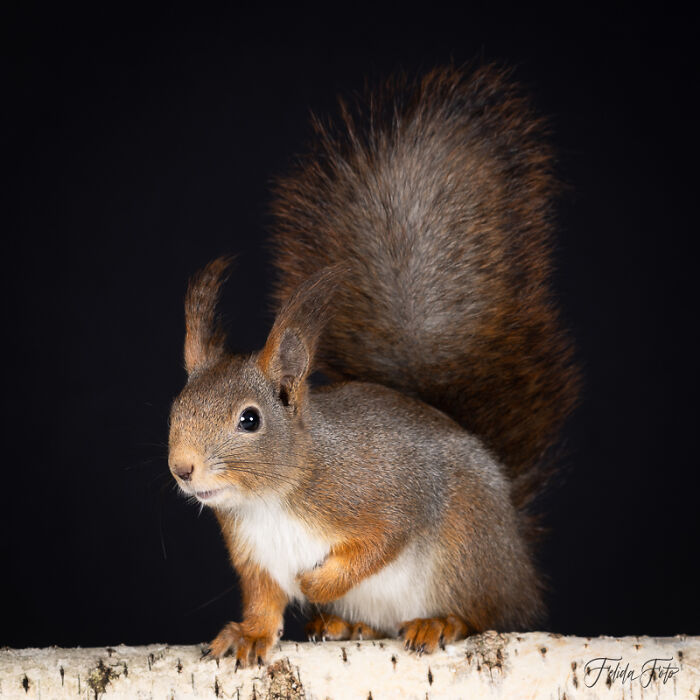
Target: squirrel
(412, 245)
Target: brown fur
(371, 472)
(204, 336)
(437, 196)
(292, 342)
(434, 221)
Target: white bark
(534, 665)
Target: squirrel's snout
(182, 463)
(183, 471)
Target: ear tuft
(204, 335)
(294, 355)
(288, 355)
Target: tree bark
(533, 665)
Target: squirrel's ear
(204, 336)
(288, 355)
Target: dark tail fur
(437, 196)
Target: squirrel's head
(237, 428)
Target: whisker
(233, 458)
(234, 461)
(161, 475)
(220, 451)
(254, 472)
(273, 478)
(211, 600)
(252, 468)
(233, 464)
(159, 502)
(144, 463)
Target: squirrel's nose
(183, 471)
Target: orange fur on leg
(263, 609)
(345, 567)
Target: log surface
(533, 665)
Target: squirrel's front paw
(323, 584)
(249, 645)
(314, 587)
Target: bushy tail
(436, 194)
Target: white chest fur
(279, 543)
(285, 547)
(396, 594)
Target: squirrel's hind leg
(333, 629)
(425, 635)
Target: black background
(141, 144)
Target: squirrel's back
(437, 197)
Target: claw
(433, 633)
(205, 653)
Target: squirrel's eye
(249, 420)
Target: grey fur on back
(437, 195)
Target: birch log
(534, 665)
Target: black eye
(249, 420)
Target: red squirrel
(412, 247)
